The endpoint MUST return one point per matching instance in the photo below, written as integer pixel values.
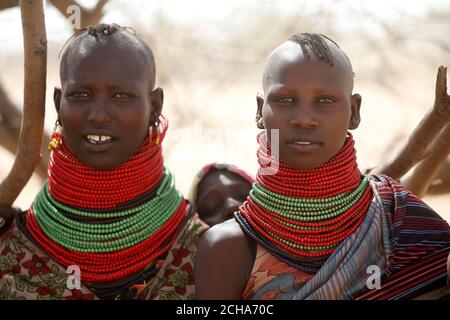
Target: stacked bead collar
(301, 216)
(68, 177)
(112, 223)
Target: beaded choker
(112, 223)
(301, 216)
(68, 178)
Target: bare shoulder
(224, 262)
(223, 234)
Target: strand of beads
(303, 215)
(109, 251)
(138, 223)
(337, 175)
(68, 177)
(104, 267)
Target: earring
(55, 139)
(156, 138)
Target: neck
(301, 216)
(75, 184)
(337, 175)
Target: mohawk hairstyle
(316, 43)
(102, 32)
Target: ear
(57, 98)
(259, 106)
(355, 118)
(156, 99)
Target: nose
(304, 117)
(231, 205)
(99, 110)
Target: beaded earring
(154, 137)
(55, 139)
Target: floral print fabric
(26, 272)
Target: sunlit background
(210, 57)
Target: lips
(98, 139)
(304, 144)
(99, 142)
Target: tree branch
(420, 141)
(420, 180)
(441, 181)
(35, 56)
(10, 119)
(6, 4)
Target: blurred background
(209, 61)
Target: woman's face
(310, 102)
(219, 195)
(104, 105)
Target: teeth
(303, 142)
(93, 138)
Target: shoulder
(224, 262)
(222, 234)
(400, 202)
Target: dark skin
(219, 195)
(106, 91)
(312, 104)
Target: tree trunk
(30, 139)
(423, 174)
(10, 122)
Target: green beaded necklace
(306, 210)
(135, 225)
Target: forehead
(220, 177)
(287, 66)
(106, 62)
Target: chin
(101, 165)
(304, 165)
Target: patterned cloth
(26, 272)
(401, 238)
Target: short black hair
(98, 34)
(316, 43)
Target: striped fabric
(344, 274)
(421, 245)
(401, 238)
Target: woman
(109, 222)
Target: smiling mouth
(304, 145)
(98, 139)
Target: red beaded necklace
(68, 177)
(337, 175)
(310, 231)
(77, 185)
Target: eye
(122, 96)
(284, 100)
(326, 100)
(213, 210)
(78, 95)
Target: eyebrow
(125, 84)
